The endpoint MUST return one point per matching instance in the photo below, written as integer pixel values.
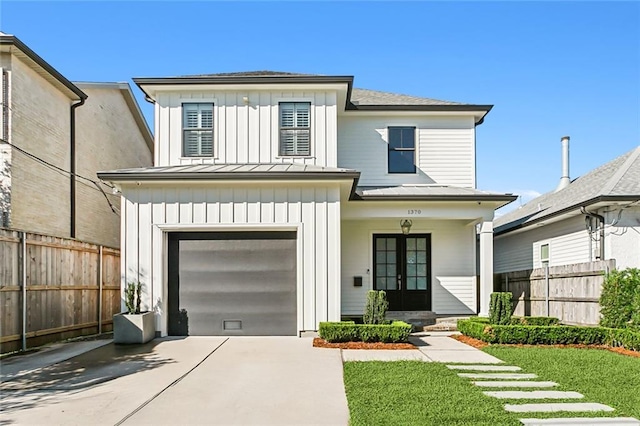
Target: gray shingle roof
(373, 97)
(430, 193)
(228, 171)
(617, 178)
(260, 73)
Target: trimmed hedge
(534, 321)
(500, 308)
(550, 335)
(333, 332)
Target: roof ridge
(613, 181)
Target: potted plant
(133, 326)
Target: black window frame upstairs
(400, 150)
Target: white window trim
(216, 116)
(275, 126)
(416, 154)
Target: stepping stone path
(505, 378)
(533, 394)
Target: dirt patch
(321, 343)
(479, 344)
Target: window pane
(302, 111)
(391, 271)
(190, 142)
(411, 283)
(421, 284)
(401, 162)
(287, 115)
(391, 257)
(544, 252)
(408, 136)
(392, 284)
(421, 257)
(411, 270)
(395, 137)
(421, 270)
(411, 243)
(381, 270)
(411, 257)
(381, 283)
(381, 257)
(391, 243)
(381, 243)
(421, 243)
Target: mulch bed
(321, 343)
(479, 344)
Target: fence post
(23, 280)
(546, 290)
(100, 289)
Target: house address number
(414, 211)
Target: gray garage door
(232, 283)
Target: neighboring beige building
(51, 127)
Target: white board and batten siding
(453, 252)
(246, 132)
(445, 149)
(313, 210)
(568, 243)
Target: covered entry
(232, 283)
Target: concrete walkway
(192, 380)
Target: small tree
(376, 307)
(500, 308)
(620, 298)
(133, 298)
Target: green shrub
(500, 308)
(376, 307)
(132, 297)
(472, 328)
(626, 338)
(483, 320)
(620, 294)
(534, 321)
(333, 332)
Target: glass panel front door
(402, 268)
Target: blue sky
(550, 68)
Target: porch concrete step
(557, 407)
(418, 319)
(612, 421)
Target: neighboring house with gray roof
(277, 200)
(594, 217)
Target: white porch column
(486, 266)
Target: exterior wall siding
(107, 138)
(314, 209)
(445, 149)
(622, 237)
(246, 132)
(568, 243)
(453, 266)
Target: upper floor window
(295, 128)
(402, 149)
(197, 130)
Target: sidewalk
(434, 346)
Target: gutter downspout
(600, 227)
(72, 169)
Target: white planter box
(136, 328)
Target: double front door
(402, 268)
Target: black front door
(402, 268)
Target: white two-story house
(277, 200)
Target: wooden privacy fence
(54, 288)
(569, 292)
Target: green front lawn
(417, 393)
(600, 375)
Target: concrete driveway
(195, 380)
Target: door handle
(399, 282)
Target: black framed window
(295, 128)
(197, 130)
(402, 150)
